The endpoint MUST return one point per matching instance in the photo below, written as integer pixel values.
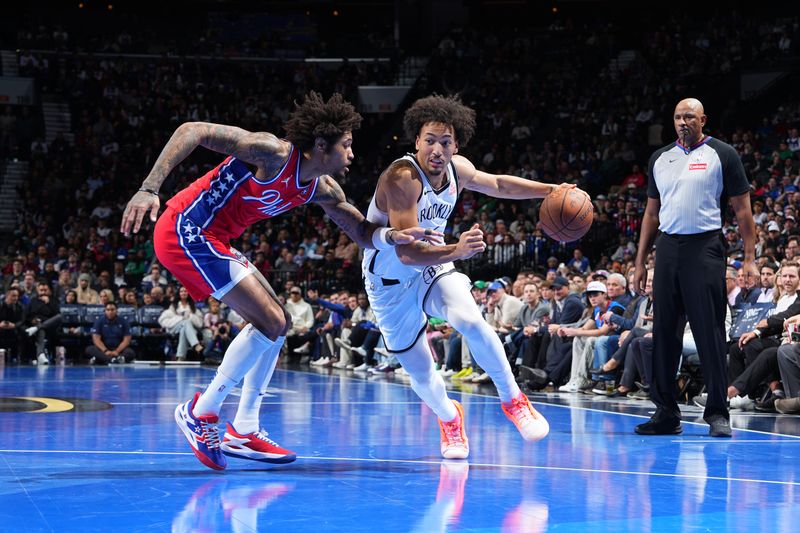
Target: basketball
(566, 214)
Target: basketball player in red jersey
(262, 177)
(418, 279)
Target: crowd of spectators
(554, 104)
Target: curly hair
(444, 109)
(317, 118)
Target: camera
(223, 330)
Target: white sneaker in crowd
(42, 359)
(363, 367)
(569, 387)
(742, 402)
(304, 349)
(483, 378)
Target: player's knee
(273, 324)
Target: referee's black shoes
(719, 426)
(660, 427)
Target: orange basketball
(566, 214)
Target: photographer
(219, 342)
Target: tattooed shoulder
(328, 191)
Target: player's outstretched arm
(501, 185)
(262, 149)
(330, 196)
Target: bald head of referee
(689, 179)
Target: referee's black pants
(689, 282)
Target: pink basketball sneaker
(454, 441)
(530, 423)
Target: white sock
(240, 356)
(426, 382)
(450, 299)
(254, 389)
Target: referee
(689, 180)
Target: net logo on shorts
(430, 272)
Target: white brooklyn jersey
(433, 209)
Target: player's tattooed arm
(330, 196)
(262, 149)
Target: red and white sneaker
(202, 434)
(255, 446)
(454, 441)
(530, 423)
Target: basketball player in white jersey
(409, 281)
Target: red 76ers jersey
(230, 198)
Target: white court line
(439, 462)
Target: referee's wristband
(151, 191)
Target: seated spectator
(130, 298)
(86, 294)
(43, 319)
(111, 338)
(154, 279)
(789, 367)
(585, 335)
(767, 288)
(555, 353)
(300, 335)
(158, 297)
(11, 320)
(212, 320)
(182, 318)
(106, 295)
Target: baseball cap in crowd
(295, 290)
(600, 197)
(480, 284)
(497, 284)
(595, 286)
(600, 274)
(560, 281)
(773, 226)
(790, 217)
(85, 277)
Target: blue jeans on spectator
(604, 347)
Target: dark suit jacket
(775, 322)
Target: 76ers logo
(430, 272)
(271, 203)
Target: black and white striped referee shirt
(691, 185)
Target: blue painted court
(113, 460)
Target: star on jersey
(190, 234)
